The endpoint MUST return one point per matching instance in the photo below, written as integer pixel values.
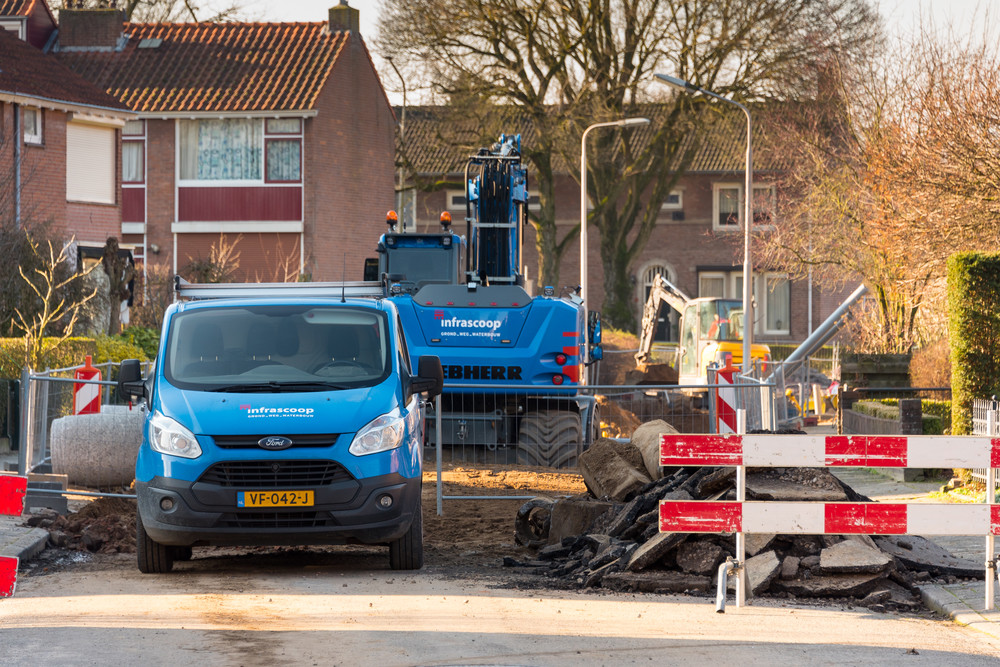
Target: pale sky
(903, 17)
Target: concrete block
(754, 543)
(575, 516)
(646, 439)
(100, 449)
(610, 470)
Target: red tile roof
(215, 67)
(27, 72)
(436, 143)
(16, 7)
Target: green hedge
(974, 332)
(932, 421)
(70, 353)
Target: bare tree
(565, 65)
(155, 11)
(56, 312)
(889, 172)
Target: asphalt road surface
(310, 608)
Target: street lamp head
(677, 83)
(634, 121)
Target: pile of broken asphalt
(610, 538)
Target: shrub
(974, 332)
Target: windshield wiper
(278, 387)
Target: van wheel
(407, 553)
(153, 557)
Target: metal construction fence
(48, 395)
(985, 421)
(498, 427)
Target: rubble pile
(106, 525)
(610, 536)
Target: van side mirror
(430, 376)
(130, 383)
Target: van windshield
(277, 348)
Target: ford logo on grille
(274, 443)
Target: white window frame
(717, 189)
(451, 197)
(245, 182)
(674, 206)
(764, 292)
(714, 275)
(767, 188)
(34, 138)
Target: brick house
(60, 136)
(276, 137)
(697, 242)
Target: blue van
(280, 421)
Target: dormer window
(31, 119)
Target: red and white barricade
(725, 398)
(12, 492)
(87, 395)
(832, 518)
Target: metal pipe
(720, 594)
(824, 332)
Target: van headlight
(379, 435)
(167, 436)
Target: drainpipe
(17, 165)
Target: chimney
(344, 17)
(99, 29)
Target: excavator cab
(711, 330)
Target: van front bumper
(183, 513)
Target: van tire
(153, 557)
(407, 553)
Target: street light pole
(583, 230)
(402, 137)
(747, 216)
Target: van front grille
(275, 474)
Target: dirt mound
(106, 525)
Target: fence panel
(47, 396)
(985, 421)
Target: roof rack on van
(186, 290)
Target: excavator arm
(662, 291)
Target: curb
(962, 604)
(21, 542)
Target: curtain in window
(283, 159)
(133, 170)
(777, 303)
(729, 206)
(221, 150)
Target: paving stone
(657, 581)
(852, 557)
(700, 557)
